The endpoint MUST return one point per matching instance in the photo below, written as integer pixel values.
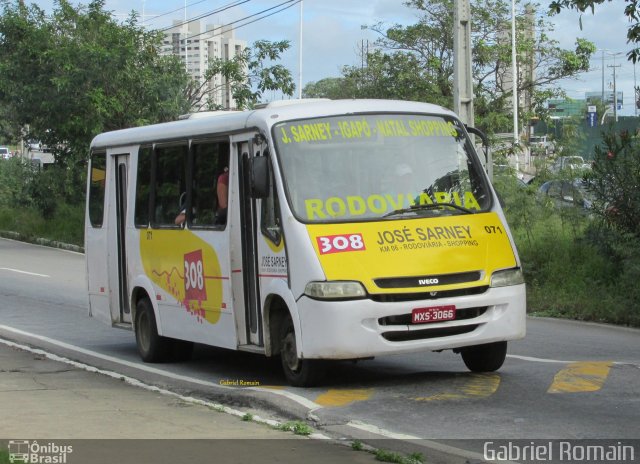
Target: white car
(5, 153)
(569, 163)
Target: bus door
(249, 229)
(96, 237)
(118, 277)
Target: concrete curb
(40, 241)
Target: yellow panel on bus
(368, 251)
(187, 267)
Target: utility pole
(615, 94)
(602, 77)
(462, 78)
(635, 92)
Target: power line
(204, 15)
(176, 10)
(292, 3)
(271, 14)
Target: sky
(333, 33)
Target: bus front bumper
(365, 328)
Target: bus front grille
(409, 335)
(400, 297)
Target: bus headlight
(335, 290)
(507, 277)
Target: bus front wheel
(151, 346)
(484, 358)
(299, 372)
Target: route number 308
(194, 278)
(340, 243)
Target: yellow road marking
(476, 386)
(337, 398)
(581, 377)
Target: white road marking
(135, 382)
(23, 272)
(557, 361)
(378, 431)
(143, 367)
(469, 455)
(540, 360)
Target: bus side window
(97, 189)
(171, 175)
(143, 187)
(210, 183)
(270, 213)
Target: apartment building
(196, 47)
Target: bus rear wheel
(151, 346)
(299, 372)
(484, 358)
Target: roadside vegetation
(582, 263)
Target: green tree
(77, 72)
(248, 76)
(399, 75)
(334, 88)
(416, 61)
(630, 11)
(614, 180)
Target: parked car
(567, 193)
(540, 145)
(5, 153)
(571, 163)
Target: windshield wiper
(425, 207)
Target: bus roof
(263, 118)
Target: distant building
(525, 65)
(592, 97)
(201, 46)
(560, 109)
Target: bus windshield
(379, 166)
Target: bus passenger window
(210, 183)
(171, 174)
(143, 187)
(96, 189)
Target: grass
(571, 269)
(397, 458)
(297, 427)
(4, 456)
(66, 225)
(357, 445)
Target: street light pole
(514, 69)
(300, 55)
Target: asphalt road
(565, 380)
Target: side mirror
(259, 177)
(483, 137)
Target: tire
(299, 372)
(152, 348)
(485, 358)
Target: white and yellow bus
(353, 229)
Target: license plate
(433, 314)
